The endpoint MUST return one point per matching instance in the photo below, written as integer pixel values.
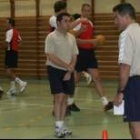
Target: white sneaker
(23, 87)
(11, 92)
(89, 79)
(59, 132)
(66, 131)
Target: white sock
(19, 81)
(104, 101)
(70, 101)
(59, 124)
(13, 85)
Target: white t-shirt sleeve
(78, 27)
(9, 36)
(75, 48)
(49, 47)
(53, 22)
(125, 49)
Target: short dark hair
(59, 5)
(11, 21)
(124, 9)
(76, 16)
(84, 5)
(61, 15)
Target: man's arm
(124, 76)
(77, 22)
(73, 62)
(58, 61)
(123, 79)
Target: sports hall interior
(29, 115)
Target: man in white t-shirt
(129, 63)
(60, 7)
(61, 51)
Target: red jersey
(13, 38)
(88, 34)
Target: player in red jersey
(86, 59)
(11, 58)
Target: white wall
(46, 7)
(105, 6)
(25, 8)
(135, 3)
(5, 8)
(74, 6)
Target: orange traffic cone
(105, 135)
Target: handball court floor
(29, 115)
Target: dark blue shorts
(86, 60)
(11, 59)
(132, 100)
(57, 84)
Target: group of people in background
(70, 51)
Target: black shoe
(74, 108)
(68, 111)
(1, 93)
(108, 107)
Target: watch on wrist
(120, 90)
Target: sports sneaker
(108, 107)
(1, 92)
(11, 92)
(89, 80)
(67, 132)
(23, 87)
(74, 108)
(59, 132)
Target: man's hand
(118, 99)
(83, 20)
(70, 68)
(67, 76)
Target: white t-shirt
(64, 47)
(53, 22)
(129, 48)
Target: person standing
(11, 58)
(86, 59)
(129, 75)
(61, 51)
(61, 7)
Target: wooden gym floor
(30, 115)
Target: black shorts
(86, 60)
(57, 84)
(132, 100)
(11, 59)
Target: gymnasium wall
(34, 30)
(27, 7)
